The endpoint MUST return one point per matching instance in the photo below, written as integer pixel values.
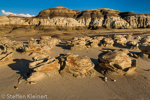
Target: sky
(33, 7)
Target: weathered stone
(49, 42)
(45, 37)
(145, 48)
(132, 43)
(129, 36)
(137, 38)
(41, 57)
(42, 68)
(6, 57)
(10, 45)
(121, 41)
(45, 66)
(145, 39)
(108, 42)
(78, 66)
(41, 46)
(143, 55)
(53, 66)
(81, 43)
(118, 36)
(115, 60)
(37, 48)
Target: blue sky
(33, 7)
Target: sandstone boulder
(77, 66)
(37, 48)
(43, 45)
(42, 68)
(40, 57)
(117, 61)
(145, 48)
(10, 45)
(145, 39)
(108, 42)
(6, 57)
(129, 36)
(118, 36)
(137, 37)
(133, 44)
(121, 41)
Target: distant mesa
(62, 18)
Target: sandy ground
(26, 34)
(128, 87)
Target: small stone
(114, 80)
(105, 79)
(15, 87)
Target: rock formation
(81, 43)
(6, 57)
(39, 69)
(43, 45)
(108, 42)
(77, 66)
(64, 18)
(120, 39)
(66, 64)
(9, 45)
(145, 49)
(117, 61)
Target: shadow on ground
(20, 66)
(63, 46)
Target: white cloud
(20, 15)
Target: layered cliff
(63, 17)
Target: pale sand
(129, 87)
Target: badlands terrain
(64, 54)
